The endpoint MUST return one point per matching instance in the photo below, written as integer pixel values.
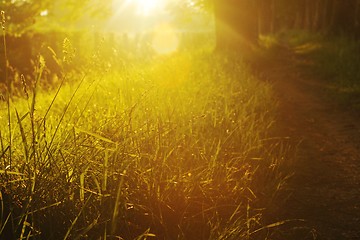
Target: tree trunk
(317, 15)
(266, 16)
(236, 24)
(307, 15)
(357, 19)
(325, 15)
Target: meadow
(178, 146)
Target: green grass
(339, 63)
(335, 60)
(174, 149)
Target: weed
(172, 149)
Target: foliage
(20, 14)
(177, 148)
(131, 145)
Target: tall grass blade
(82, 185)
(3, 225)
(63, 115)
(87, 229)
(3, 154)
(1, 142)
(105, 175)
(94, 135)
(76, 219)
(145, 235)
(23, 136)
(11, 173)
(117, 203)
(8, 85)
(276, 224)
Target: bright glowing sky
(149, 7)
(138, 15)
(141, 7)
(130, 16)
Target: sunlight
(44, 13)
(148, 7)
(165, 39)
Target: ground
(325, 188)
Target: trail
(326, 183)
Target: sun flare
(148, 7)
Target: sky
(124, 16)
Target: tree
(20, 15)
(337, 17)
(344, 17)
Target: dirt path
(326, 183)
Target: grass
(336, 61)
(178, 148)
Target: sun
(148, 7)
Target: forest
(179, 119)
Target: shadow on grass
(335, 63)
